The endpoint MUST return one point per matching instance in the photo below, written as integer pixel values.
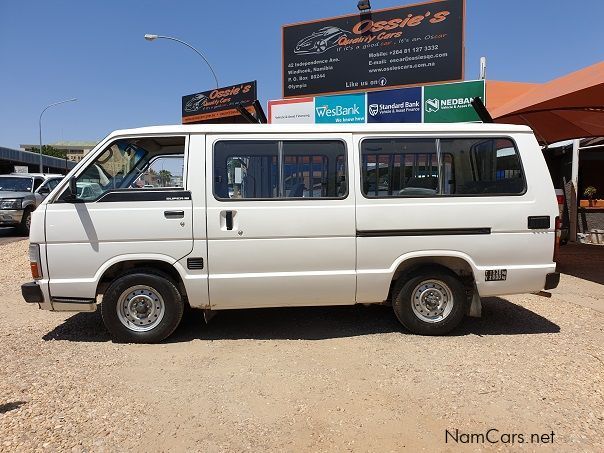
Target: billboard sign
(395, 106)
(292, 111)
(348, 108)
(452, 102)
(411, 45)
(218, 103)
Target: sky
(95, 51)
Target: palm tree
(165, 176)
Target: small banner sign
(452, 102)
(218, 103)
(395, 106)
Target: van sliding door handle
(174, 214)
(229, 219)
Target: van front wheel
(431, 301)
(142, 308)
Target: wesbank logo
(338, 110)
(349, 108)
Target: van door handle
(174, 214)
(229, 219)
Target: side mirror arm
(71, 194)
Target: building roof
(66, 145)
(565, 108)
(29, 158)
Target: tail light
(558, 224)
(560, 199)
(34, 261)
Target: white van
(425, 217)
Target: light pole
(149, 37)
(40, 125)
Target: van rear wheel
(142, 307)
(432, 301)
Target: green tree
(165, 176)
(50, 151)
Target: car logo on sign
(373, 109)
(432, 105)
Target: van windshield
(16, 184)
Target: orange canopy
(568, 107)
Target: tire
(430, 301)
(142, 307)
(25, 222)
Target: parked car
(320, 41)
(20, 194)
(426, 218)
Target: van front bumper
(32, 293)
(10, 216)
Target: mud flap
(475, 309)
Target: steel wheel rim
(432, 301)
(140, 308)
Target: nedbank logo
(432, 105)
(338, 110)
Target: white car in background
(20, 195)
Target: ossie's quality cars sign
(410, 45)
(218, 103)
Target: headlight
(11, 203)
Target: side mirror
(71, 194)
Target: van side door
(280, 220)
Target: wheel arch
(458, 263)
(159, 264)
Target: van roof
(327, 128)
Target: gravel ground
(337, 379)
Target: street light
(149, 37)
(364, 5)
(40, 125)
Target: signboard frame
(361, 16)
(225, 106)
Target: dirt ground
(312, 379)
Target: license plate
(495, 275)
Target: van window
(314, 169)
(280, 169)
(399, 167)
(488, 166)
(409, 167)
(246, 169)
(162, 172)
(132, 163)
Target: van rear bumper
(552, 280)
(32, 293)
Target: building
(75, 150)
(12, 160)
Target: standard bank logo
(374, 109)
(432, 105)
